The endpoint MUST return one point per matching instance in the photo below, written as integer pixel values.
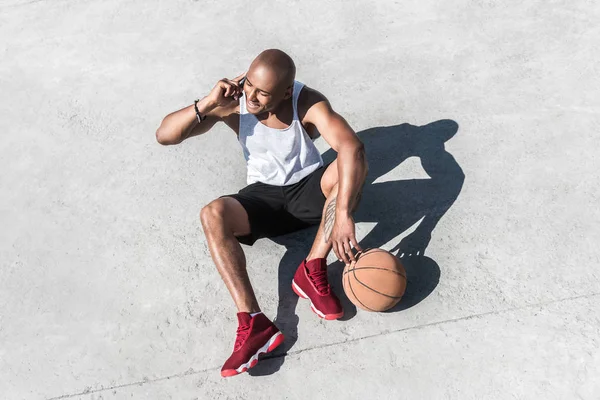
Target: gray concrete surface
(107, 290)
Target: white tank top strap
(296, 94)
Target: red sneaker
(255, 336)
(310, 282)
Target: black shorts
(277, 210)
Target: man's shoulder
(308, 97)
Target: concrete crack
(294, 353)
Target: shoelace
(319, 279)
(241, 335)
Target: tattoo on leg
(329, 218)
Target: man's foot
(255, 336)
(310, 282)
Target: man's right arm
(183, 124)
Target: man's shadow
(394, 206)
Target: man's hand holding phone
(226, 91)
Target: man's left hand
(343, 238)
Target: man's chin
(256, 112)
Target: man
(276, 118)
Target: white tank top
(277, 157)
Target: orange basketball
(376, 281)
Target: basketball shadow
(395, 206)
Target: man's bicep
(333, 127)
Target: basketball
(376, 281)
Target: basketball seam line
(376, 291)
(384, 269)
(355, 296)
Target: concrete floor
(107, 289)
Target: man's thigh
(265, 207)
(306, 199)
(330, 178)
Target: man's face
(263, 93)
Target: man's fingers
(348, 250)
(238, 92)
(343, 248)
(231, 89)
(338, 251)
(355, 243)
(335, 249)
(225, 85)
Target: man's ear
(288, 92)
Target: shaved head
(278, 65)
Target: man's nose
(251, 95)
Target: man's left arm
(352, 171)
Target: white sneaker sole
(303, 295)
(271, 345)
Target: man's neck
(281, 110)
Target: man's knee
(212, 215)
(329, 180)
